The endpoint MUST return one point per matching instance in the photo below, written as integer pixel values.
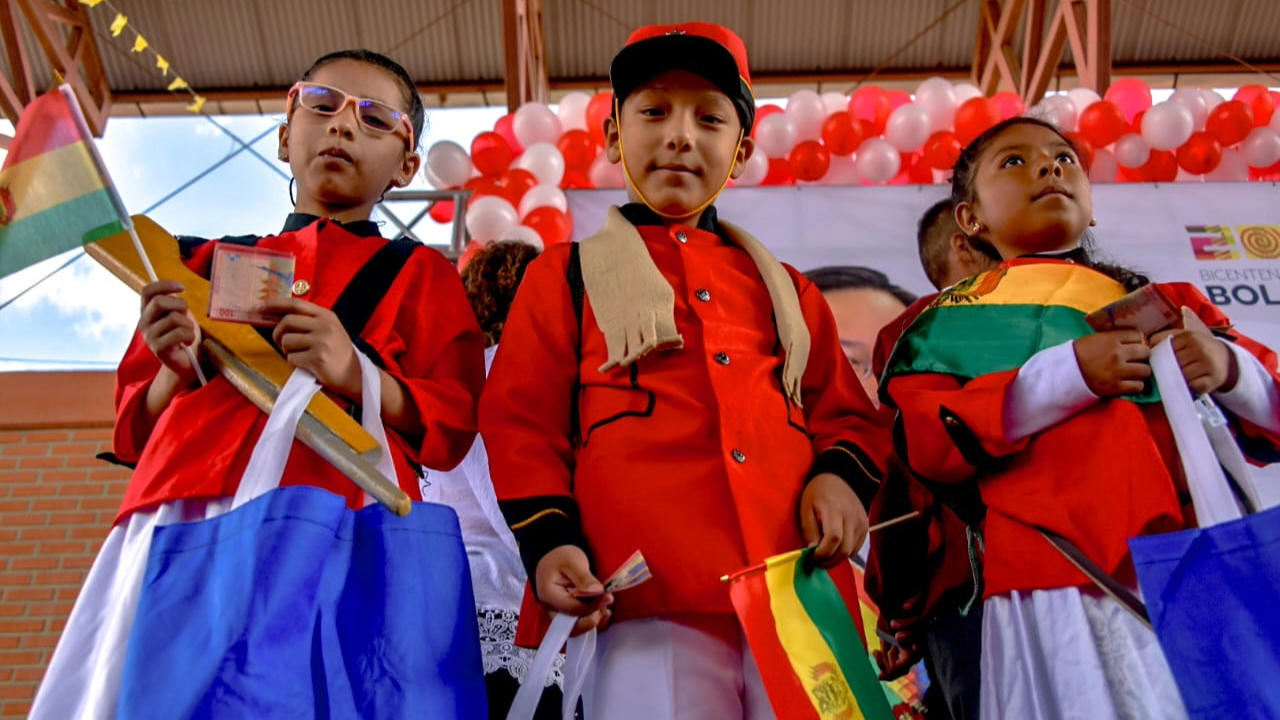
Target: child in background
(352, 127)
(698, 403)
(1057, 426)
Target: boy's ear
(408, 169)
(745, 150)
(612, 140)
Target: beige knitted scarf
(634, 304)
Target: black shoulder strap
(370, 284)
(577, 293)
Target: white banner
(1224, 238)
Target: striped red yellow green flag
(54, 196)
(804, 627)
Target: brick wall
(57, 502)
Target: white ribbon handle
(371, 417)
(271, 453)
(579, 652)
(1210, 492)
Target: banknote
(1144, 309)
(245, 279)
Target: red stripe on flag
(47, 124)
(843, 575)
(750, 598)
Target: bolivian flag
(804, 626)
(997, 320)
(53, 195)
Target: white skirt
(83, 679)
(1063, 655)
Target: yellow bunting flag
(139, 44)
(178, 84)
(91, 3)
(118, 25)
(197, 104)
(162, 64)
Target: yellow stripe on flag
(50, 179)
(1065, 284)
(811, 658)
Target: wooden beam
(62, 28)
(1098, 20)
(524, 53)
(22, 82)
(1032, 42)
(1085, 24)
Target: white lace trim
(498, 647)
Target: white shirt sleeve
(1047, 390)
(1255, 397)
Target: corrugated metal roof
(234, 44)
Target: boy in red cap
(668, 386)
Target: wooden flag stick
(793, 553)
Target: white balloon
(755, 171)
(834, 102)
(1132, 151)
(490, 218)
(965, 91)
(806, 109)
(1195, 102)
(908, 127)
(449, 163)
(1275, 121)
(1061, 111)
(535, 123)
(604, 174)
(1212, 99)
(432, 180)
(938, 99)
(776, 135)
(843, 171)
(1233, 168)
(544, 161)
(524, 234)
(1168, 125)
(1184, 176)
(878, 161)
(542, 196)
(1104, 167)
(1262, 148)
(573, 111)
(1083, 98)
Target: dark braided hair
(491, 279)
(408, 91)
(964, 189)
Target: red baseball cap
(712, 51)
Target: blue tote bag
(292, 605)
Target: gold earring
(1093, 222)
(283, 154)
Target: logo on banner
(1258, 285)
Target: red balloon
(442, 211)
(575, 180)
(763, 112)
(598, 110)
(505, 126)
(1129, 175)
(897, 98)
(809, 160)
(841, 133)
(1009, 104)
(482, 186)
(469, 253)
(872, 104)
(1268, 174)
(1230, 122)
(514, 183)
(975, 117)
(779, 173)
(1131, 95)
(1084, 148)
(1201, 154)
(1135, 127)
(1259, 99)
(552, 224)
(1162, 166)
(1103, 123)
(491, 153)
(917, 171)
(578, 149)
(942, 149)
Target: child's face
(1031, 193)
(340, 165)
(678, 138)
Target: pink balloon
(1103, 169)
(878, 161)
(605, 174)
(898, 98)
(1131, 95)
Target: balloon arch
(517, 173)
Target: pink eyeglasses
(374, 115)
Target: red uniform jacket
(422, 330)
(1106, 474)
(694, 456)
(930, 555)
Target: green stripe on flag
(86, 219)
(970, 341)
(827, 609)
